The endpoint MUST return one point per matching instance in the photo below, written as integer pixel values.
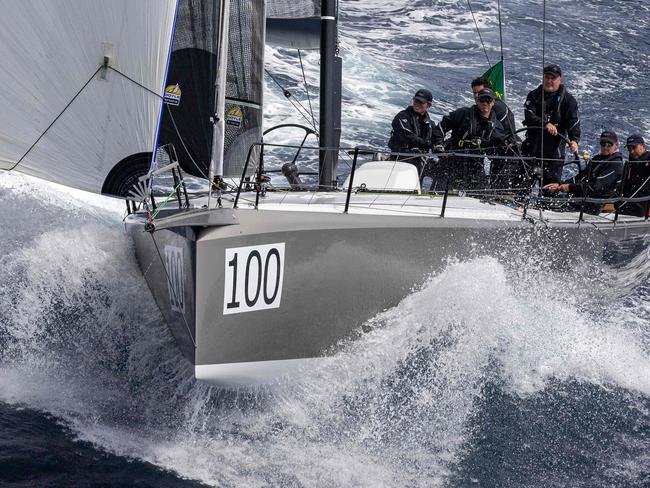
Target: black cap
(609, 136)
(634, 140)
(486, 92)
(553, 70)
(423, 95)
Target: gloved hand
(438, 148)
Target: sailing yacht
(108, 96)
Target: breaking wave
(401, 405)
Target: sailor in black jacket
(603, 176)
(636, 180)
(558, 115)
(472, 128)
(412, 127)
(502, 111)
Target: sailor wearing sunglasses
(603, 175)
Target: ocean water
(487, 376)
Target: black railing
(523, 195)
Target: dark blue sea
(491, 375)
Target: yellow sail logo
(173, 94)
(234, 116)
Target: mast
(218, 122)
(330, 96)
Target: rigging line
(469, 4)
(311, 110)
(500, 29)
(55, 119)
(288, 95)
(164, 203)
(169, 282)
(71, 102)
(637, 191)
(543, 128)
(147, 89)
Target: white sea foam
(61, 197)
(394, 407)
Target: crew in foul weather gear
(636, 181)
(475, 127)
(412, 130)
(603, 176)
(502, 111)
(504, 173)
(474, 130)
(552, 107)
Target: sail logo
(173, 95)
(253, 278)
(234, 117)
(175, 278)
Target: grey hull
(338, 272)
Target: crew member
(551, 115)
(504, 173)
(603, 176)
(636, 181)
(474, 129)
(412, 130)
(502, 111)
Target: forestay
(51, 53)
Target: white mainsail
(51, 51)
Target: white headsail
(62, 117)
